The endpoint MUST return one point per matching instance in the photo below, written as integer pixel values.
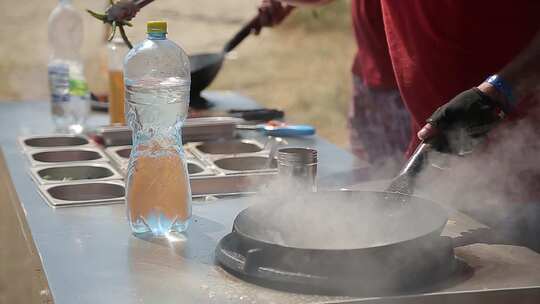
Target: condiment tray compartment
(65, 155)
(38, 142)
(250, 163)
(44, 175)
(228, 147)
(83, 193)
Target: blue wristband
(503, 87)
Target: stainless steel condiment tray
(58, 156)
(39, 142)
(58, 174)
(73, 171)
(83, 193)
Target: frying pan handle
(242, 33)
(252, 260)
(405, 181)
(142, 3)
(415, 164)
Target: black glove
(471, 113)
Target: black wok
(205, 66)
(340, 242)
(342, 220)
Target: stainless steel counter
(89, 255)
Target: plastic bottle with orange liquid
(157, 83)
(117, 51)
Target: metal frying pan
(205, 66)
(340, 242)
(342, 220)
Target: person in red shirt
(437, 49)
(463, 68)
(466, 67)
(441, 48)
(469, 68)
(379, 123)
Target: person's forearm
(523, 73)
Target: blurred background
(301, 66)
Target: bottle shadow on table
(197, 243)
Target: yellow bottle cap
(156, 27)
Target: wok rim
(442, 213)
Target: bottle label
(63, 86)
(78, 87)
(59, 82)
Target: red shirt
(372, 61)
(440, 48)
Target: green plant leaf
(113, 31)
(99, 16)
(125, 38)
(127, 23)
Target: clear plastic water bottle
(70, 99)
(157, 82)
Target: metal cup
(299, 165)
